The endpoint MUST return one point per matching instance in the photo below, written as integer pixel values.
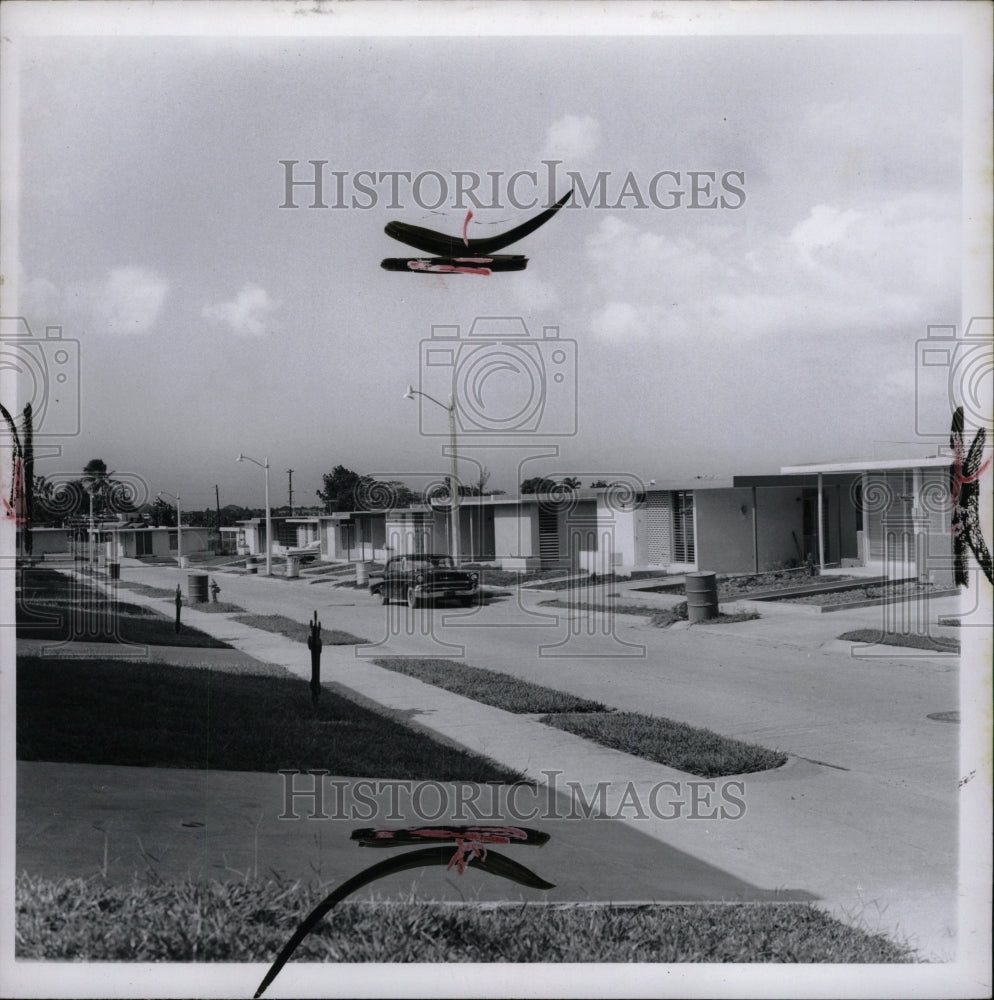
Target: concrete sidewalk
(882, 855)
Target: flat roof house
(903, 508)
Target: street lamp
(450, 408)
(179, 526)
(269, 531)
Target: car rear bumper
(430, 593)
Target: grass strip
(249, 921)
(871, 636)
(658, 617)
(217, 608)
(146, 590)
(93, 711)
(675, 744)
(297, 631)
(489, 687)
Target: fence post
(314, 645)
(179, 604)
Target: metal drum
(196, 588)
(361, 574)
(702, 597)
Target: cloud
(571, 138)
(824, 227)
(532, 292)
(618, 321)
(247, 315)
(129, 300)
(831, 270)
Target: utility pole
(217, 501)
(289, 472)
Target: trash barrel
(292, 567)
(252, 565)
(702, 597)
(114, 570)
(196, 588)
(361, 574)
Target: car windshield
(445, 561)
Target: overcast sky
(776, 330)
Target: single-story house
(890, 516)
(113, 540)
(902, 514)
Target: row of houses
(892, 517)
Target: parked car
(421, 578)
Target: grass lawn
(218, 608)
(93, 711)
(58, 608)
(297, 631)
(491, 576)
(874, 636)
(146, 590)
(490, 687)
(659, 617)
(686, 748)
(83, 920)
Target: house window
(683, 526)
(143, 544)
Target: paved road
(872, 829)
(781, 682)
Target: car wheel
(412, 598)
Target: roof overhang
(868, 465)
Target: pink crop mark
(959, 478)
(471, 842)
(16, 507)
(423, 265)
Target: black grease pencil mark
(471, 851)
(459, 254)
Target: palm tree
(97, 481)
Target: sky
(778, 328)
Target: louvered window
(683, 526)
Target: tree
(97, 483)
(346, 490)
(339, 489)
(572, 483)
(538, 484)
(163, 514)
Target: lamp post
(179, 526)
(269, 528)
(450, 408)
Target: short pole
(179, 604)
(314, 645)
